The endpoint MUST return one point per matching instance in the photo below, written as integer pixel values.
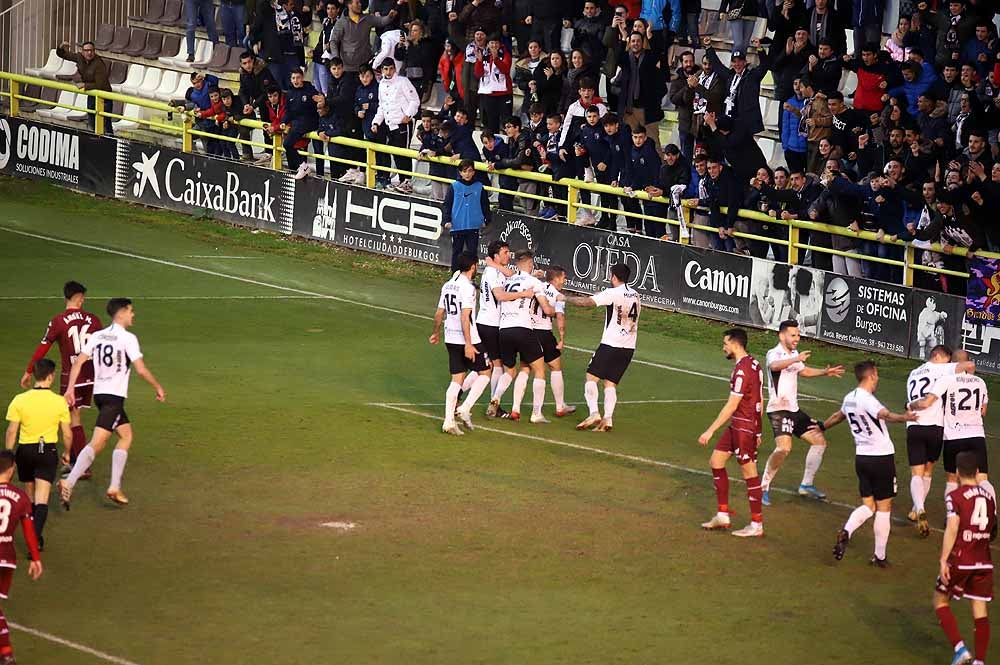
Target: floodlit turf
(485, 549)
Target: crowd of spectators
(907, 153)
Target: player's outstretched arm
(505, 296)
(436, 332)
(10, 440)
(924, 402)
(724, 415)
(140, 367)
(835, 419)
(829, 370)
(890, 417)
(947, 544)
(74, 374)
(778, 365)
(580, 301)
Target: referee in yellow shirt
(39, 414)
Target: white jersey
(621, 319)
(539, 319)
(113, 351)
(489, 308)
(919, 384)
(871, 435)
(783, 386)
(517, 313)
(458, 294)
(964, 397)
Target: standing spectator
(450, 70)
(675, 176)
(642, 89)
(546, 20)
(365, 106)
(418, 59)
(496, 149)
(340, 98)
(495, 90)
(793, 142)
(351, 37)
(916, 81)
(302, 118)
(485, 15)
(523, 157)
(656, 13)
(517, 26)
(791, 61)
(229, 124)
(580, 67)
(742, 102)
(93, 73)
(816, 123)
(741, 15)
(558, 163)
(201, 87)
(689, 27)
(321, 53)
(465, 210)
(280, 34)
(981, 51)
(682, 94)
(255, 79)
(722, 190)
(398, 104)
(273, 113)
(825, 68)
(234, 21)
(955, 27)
(195, 12)
(642, 170)
(524, 72)
(588, 31)
(475, 50)
(873, 79)
(577, 112)
(614, 41)
(549, 80)
(866, 18)
(826, 24)
(208, 120)
(708, 97)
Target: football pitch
(303, 398)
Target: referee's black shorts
(36, 462)
(110, 412)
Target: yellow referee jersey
(40, 411)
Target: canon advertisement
(61, 155)
(715, 284)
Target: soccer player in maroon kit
(741, 438)
(70, 329)
(15, 508)
(966, 564)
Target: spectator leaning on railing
(255, 79)
(303, 118)
(93, 72)
(465, 210)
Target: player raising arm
(741, 438)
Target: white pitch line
(261, 297)
(213, 256)
(634, 401)
(83, 648)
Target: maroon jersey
(977, 514)
(71, 330)
(15, 506)
(747, 380)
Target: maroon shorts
(6, 577)
(741, 444)
(971, 584)
(84, 395)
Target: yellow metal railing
(575, 188)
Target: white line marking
(261, 297)
(106, 657)
(635, 401)
(314, 294)
(340, 526)
(214, 256)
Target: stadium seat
(150, 82)
(137, 44)
(117, 73)
(130, 111)
(220, 56)
(59, 110)
(168, 83)
(49, 69)
(174, 60)
(233, 65)
(132, 79)
(105, 35)
(122, 36)
(66, 71)
(183, 83)
(172, 10)
(202, 53)
(81, 102)
(153, 12)
(179, 21)
(154, 46)
(725, 57)
(849, 82)
(771, 110)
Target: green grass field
(504, 546)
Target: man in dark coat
(642, 88)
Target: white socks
(118, 459)
(520, 387)
(771, 468)
(927, 486)
(883, 523)
(470, 378)
(610, 400)
(860, 515)
(495, 379)
(558, 389)
(814, 458)
(590, 394)
(917, 493)
(537, 396)
(949, 487)
(475, 392)
(451, 401)
(502, 385)
(83, 462)
(986, 485)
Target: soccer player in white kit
(784, 366)
(965, 400)
(456, 308)
(611, 359)
(495, 274)
(115, 351)
(925, 435)
(874, 461)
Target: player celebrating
(785, 364)
(874, 461)
(38, 414)
(15, 506)
(612, 357)
(115, 352)
(965, 400)
(456, 308)
(555, 277)
(517, 337)
(494, 276)
(924, 436)
(966, 563)
(71, 329)
(741, 438)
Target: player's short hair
(738, 335)
(967, 464)
(786, 324)
(941, 350)
(72, 288)
(116, 304)
(44, 368)
(494, 247)
(863, 369)
(465, 261)
(523, 255)
(6, 460)
(621, 271)
(554, 271)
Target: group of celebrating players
(96, 365)
(945, 406)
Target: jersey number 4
(980, 514)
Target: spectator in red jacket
(873, 79)
(450, 68)
(496, 100)
(209, 118)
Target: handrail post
(571, 193)
(793, 244)
(684, 235)
(276, 139)
(187, 141)
(370, 170)
(15, 103)
(908, 256)
(98, 114)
